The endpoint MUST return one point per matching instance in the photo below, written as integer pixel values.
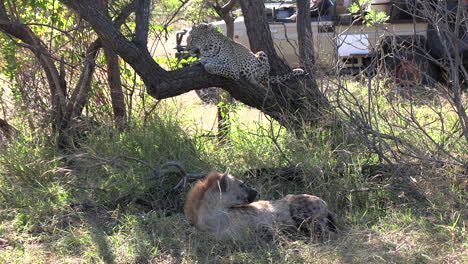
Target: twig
(134, 159)
(86, 188)
(370, 189)
(105, 161)
(184, 176)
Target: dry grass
(151, 238)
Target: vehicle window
(282, 14)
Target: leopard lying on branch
(222, 56)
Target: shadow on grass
(171, 240)
(153, 237)
(160, 239)
(99, 237)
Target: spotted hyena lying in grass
(222, 205)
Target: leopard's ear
(223, 182)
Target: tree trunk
(115, 85)
(305, 101)
(306, 54)
(259, 34)
(304, 36)
(112, 60)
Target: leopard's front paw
(210, 68)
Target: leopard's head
(200, 36)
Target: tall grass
(110, 201)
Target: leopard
(225, 206)
(222, 56)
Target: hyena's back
(308, 211)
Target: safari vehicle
(343, 42)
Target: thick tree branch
(139, 59)
(160, 83)
(142, 22)
(124, 13)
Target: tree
(290, 104)
(67, 104)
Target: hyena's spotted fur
(222, 205)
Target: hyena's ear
(223, 183)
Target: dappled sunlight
(202, 117)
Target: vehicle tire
(208, 95)
(410, 69)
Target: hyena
(223, 205)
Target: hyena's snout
(251, 194)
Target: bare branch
(370, 189)
(103, 161)
(79, 96)
(86, 187)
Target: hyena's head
(218, 191)
(231, 191)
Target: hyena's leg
(309, 213)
